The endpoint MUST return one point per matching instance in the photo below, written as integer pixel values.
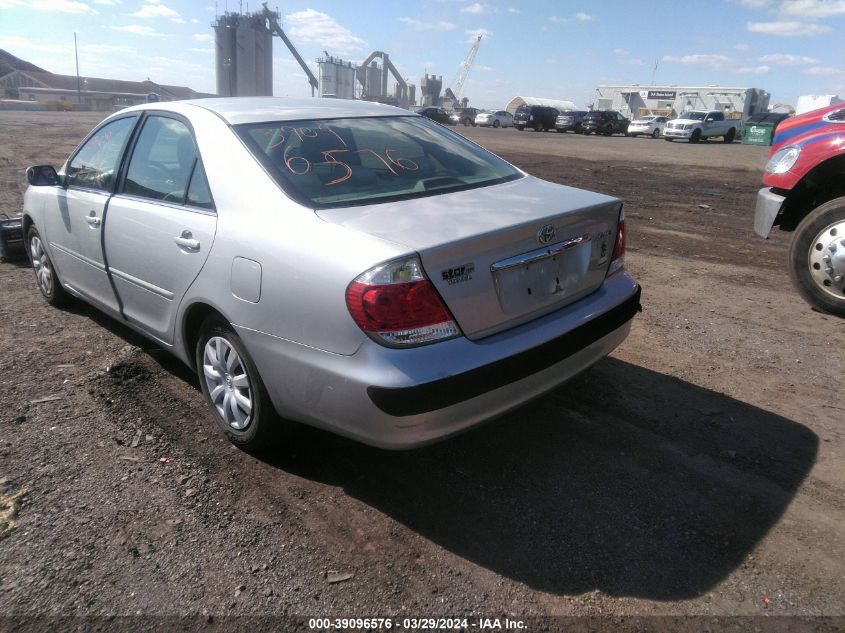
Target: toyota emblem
(546, 234)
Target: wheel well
(822, 184)
(192, 321)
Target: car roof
(237, 110)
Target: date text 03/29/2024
(416, 624)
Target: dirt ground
(698, 471)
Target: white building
(635, 100)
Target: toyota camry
(343, 264)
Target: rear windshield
(346, 162)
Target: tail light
(617, 260)
(397, 305)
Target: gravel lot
(698, 471)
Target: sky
(560, 49)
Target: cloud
(787, 28)
(474, 33)
(154, 11)
(813, 8)
(620, 51)
(319, 27)
(137, 29)
(824, 71)
(419, 25)
(475, 7)
(722, 63)
(513, 10)
(201, 50)
(785, 59)
(741, 46)
(109, 3)
(53, 6)
(203, 37)
(580, 16)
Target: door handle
(187, 241)
(92, 220)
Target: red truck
(805, 193)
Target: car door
(75, 217)
(161, 224)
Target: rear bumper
(407, 398)
(766, 211)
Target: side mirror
(43, 176)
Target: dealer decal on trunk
(458, 274)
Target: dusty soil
(698, 471)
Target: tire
(586, 132)
(45, 273)
(539, 127)
(667, 139)
(821, 228)
(255, 430)
(577, 128)
(496, 123)
(520, 128)
(655, 133)
(730, 136)
(695, 137)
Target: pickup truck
(805, 193)
(695, 125)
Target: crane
(274, 26)
(454, 93)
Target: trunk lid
(485, 251)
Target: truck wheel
(656, 133)
(817, 257)
(234, 391)
(539, 128)
(696, 136)
(730, 136)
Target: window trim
(121, 154)
(129, 151)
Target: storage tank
(244, 55)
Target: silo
(327, 76)
(224, 46)
(372, 86)
(268, 63)
(245, 59)
(346, 81)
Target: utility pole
(78, 86)
(654, 72)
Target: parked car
(569, 121)
(436, 114)
(344, 264)
(649, 125)
(695, 125)
(804, 194)
(464, 116)
(607, 122)
(540, 118)
(501, 118)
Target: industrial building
(87, 93)
(634, 101)
(244, 54)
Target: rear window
(346, 162)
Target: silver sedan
(502, 118)
(336, 263)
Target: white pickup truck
(695, 125)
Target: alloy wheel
(229, 387)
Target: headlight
(783, 160)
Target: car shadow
(624, 480)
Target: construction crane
(454, 93)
